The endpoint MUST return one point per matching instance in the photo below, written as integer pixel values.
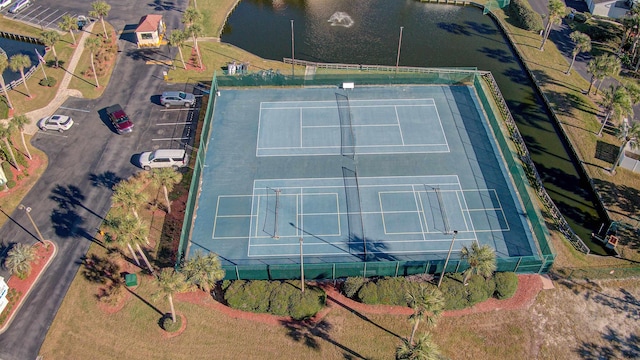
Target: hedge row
(393, 290)
(274, 297)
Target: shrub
(478, 289)
(368, 293)
(524, 16)
(167, 324)
(506, 284)
(458, 296)
(6, 167)
(11, 183)
(275, 297)
(351, 286)
(48, 81)
(387, 291)
(225, 284)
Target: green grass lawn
(214, 14)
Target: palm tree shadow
(309, 331)
(145, 302)
(362, 316)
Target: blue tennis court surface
(375, 173)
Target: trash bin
(131, 280)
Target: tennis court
(371, 173)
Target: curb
(26, 295)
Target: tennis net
(347, 138)
(355, 219)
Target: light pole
(301, 266)
(399, 44)
(292, 51)
(28, 211)
(446, 262)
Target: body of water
(368, 32)
(13, 47)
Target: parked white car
(161, 158)
(55, 122)
(19, 5)
(5, 3)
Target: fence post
(237, 272)
(364, 274)
(333, 271)
(517, 264)
(397, 267)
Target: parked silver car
(19, 5)
(180, 98)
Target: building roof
(149, 23)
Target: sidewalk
(63, 91)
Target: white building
(4, 290)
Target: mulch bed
(528, 288)
(44, 255)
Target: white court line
(442, 129)
(301, 128)
(164, 139)
(395, 108)
(175, 123)
(215, 219)
(74, 109)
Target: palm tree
(196, 30)
(629, 135)
(167, 178)
(4, 63)
(611, 67)
(616, 101)
(19, 62)
(69, 24)
(203, 271)
(427, 303)
(176, 38)
(582, 43)
(556, 12)
(191, 16)
(50, 38)
(423, 349)
(597, 67)
(94, 45)
(100, 10)
(19, 259)
(20, 121)
(170, 282)
(481, 259)
(129, 194)
(117, 224)
(5, 133)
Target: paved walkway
(63, 90)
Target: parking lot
(155, 127)
(42, 16)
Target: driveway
(73, 196)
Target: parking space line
(52, 133)
(29, 13)
(44, 18)
(65, 13)
(73, 109)
(175, 123)
(184, 109)
(165, 139)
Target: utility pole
(28, 211)
(399, 45)
(301, 266)
(292, 51)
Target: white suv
(161, 158)
(19, 5)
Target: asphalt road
(69, 202)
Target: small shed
(150, 30)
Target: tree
(50, 38)
(630, 135)
(19, 62)
(5, 133)
(20, 121)
(115, 222)
(611, 67)
(19, 259)
(177, 38)
(616, 101)
(423, 349)
(94, 45)
(481, 259)
(196, 30)
(129, 194)
(167, 178)
(170, 282)
(191, 16)
(203, 271)
(100, 10)
(69, 24)
(427, 303)
(599, 67)
(4, 63)
(582, 43)
(556, 12)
